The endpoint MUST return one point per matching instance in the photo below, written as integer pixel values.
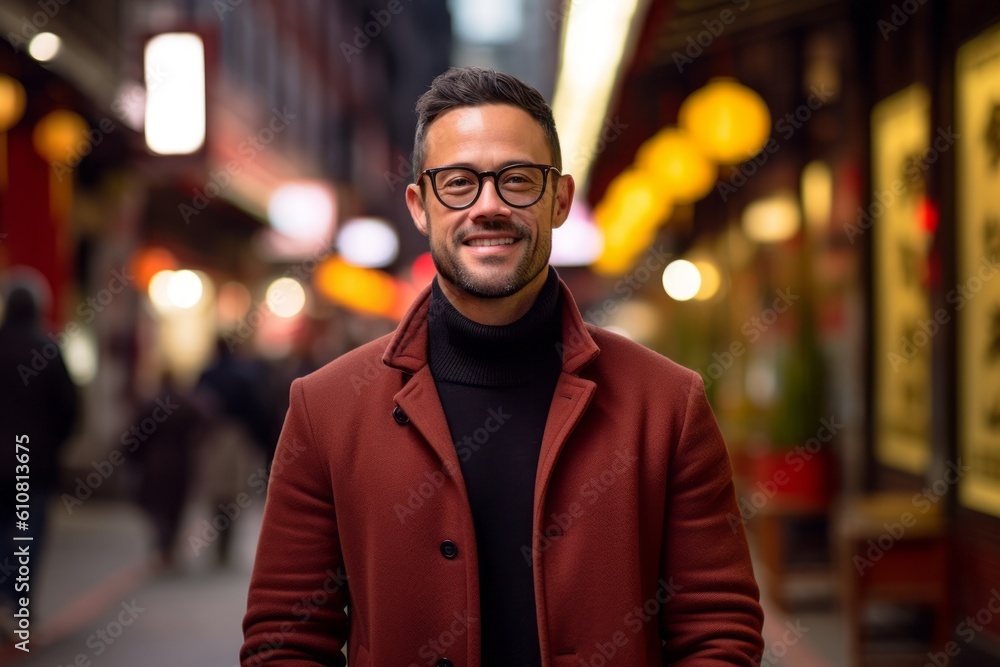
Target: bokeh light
(681, 280)
(286, 297)
(368, 242)
(45, 46)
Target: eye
(456, 179)
(521, 179)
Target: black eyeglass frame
(480, 175)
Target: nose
(489, 203)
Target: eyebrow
(502, 165)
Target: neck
(464, 351)
(494, 312)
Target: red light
(422, 271)
(927, 215)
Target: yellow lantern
(12, 101)
(730, 122)
(677, 164)
(634, 195)
(61, 138)
(629, 214)
(59, 134)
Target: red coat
(637, 556)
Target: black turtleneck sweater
(496, 384)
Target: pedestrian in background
(40, 408)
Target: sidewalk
(823, 641)
(99, 598)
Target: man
(498, 483)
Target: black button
(449, 550)
(445, 662)
(400, 416)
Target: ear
(415, 202)
(565, 188)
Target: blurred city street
(317, 255)
(98, 570)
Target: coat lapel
(571, 397)
(569, 402)
(419, 400)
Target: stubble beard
(534, 258)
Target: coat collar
(407, 349)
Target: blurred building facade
(319, 93)
(851, 353)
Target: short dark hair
(476, 86)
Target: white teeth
(484, 242)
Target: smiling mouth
(489, 242)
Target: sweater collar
(408, 345)
(461, 350)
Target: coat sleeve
(713, 616)
(298, 591)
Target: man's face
(488, 138)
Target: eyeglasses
(519, 185)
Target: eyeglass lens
(518, 185)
